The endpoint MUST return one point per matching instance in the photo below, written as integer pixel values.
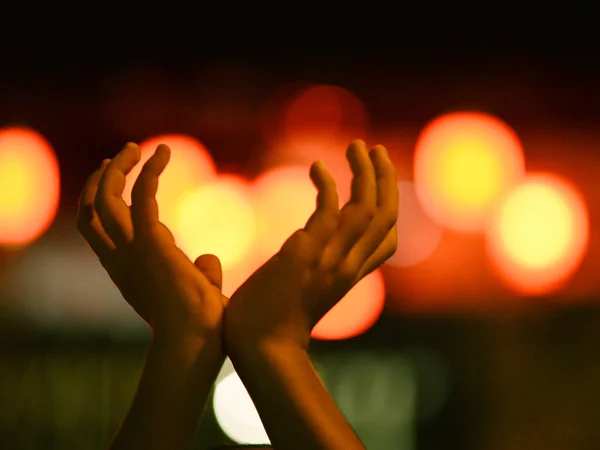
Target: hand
(317, 265)
(177, 298)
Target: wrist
(187, 345)
(266, 351)
(248, 338)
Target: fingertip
(319, 173)
(161, 157)
(131, 147)
(163, 148)
(317, 166)
(380, 149)
(355, 152)
(357, 143)
(127, 158)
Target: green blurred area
(511, 382)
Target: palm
(139, 253)
(319, 264)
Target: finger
(88, 222)
(386, 214)
(113, 212)
(210, 266)
(364, 190)
(384, 251)
(144, 208)
(324, 221)
(356, 215)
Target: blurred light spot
(311, 123)
(464, 163)
(190, 166)
(377, 393)
(336, 164)
(236, 274)
(539, 234)
(236, 413)
(323, 117)
(284, 198)
(418, 235)
(58, 283)
(216, 218)
(29, 186)
(356, 312)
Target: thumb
(210, 266)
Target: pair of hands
(282, 300)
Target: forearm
(175, 383)
(295, 408)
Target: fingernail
(104, 163)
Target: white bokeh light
(236, 413)
(418, 235)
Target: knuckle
(367, 213)
(347, 270)
(394, 244)
(391, 247)
(292, 243)
(299, 246)
(332, 219)
(390, 220)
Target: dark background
(518, 380)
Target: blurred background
(481, 332)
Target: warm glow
(236, 413)
(216, 218)
(29, 186)
(540, 234)
(323, 117)
(190, 166)
(418, 235)
(464, 163)
(314, 123)
(284, 199)
(356, 312)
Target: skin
(181, 301)
(265, 327)
(292, 291)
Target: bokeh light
(48, 286)
(236, 413)
(356, 312)
(464, 163)
(418, 234)
(29, 186)
(323, 117)
(190, 166)
(284, 198)
(216, 218)
(540, 234)
(308, 123)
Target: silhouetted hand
(177, 298)
(319, 264)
